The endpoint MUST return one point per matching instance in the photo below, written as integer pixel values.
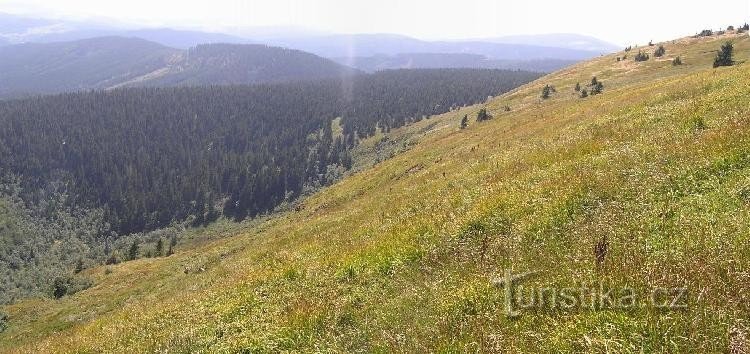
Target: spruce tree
(482, 115)
(133, 251)
(660, 51)
(578, 87)
(724, 56)
(464, 122)
(547, 91)
(160, 247)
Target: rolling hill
(643, 187)
(108, 62)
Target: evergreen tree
(547, 91)
(677, 61)
(724, 56)
(594, 81)
(659, 52)
(578, 87)
(464, 122)
(641, 56)
(60, 287)
(597, 89)
(133, 251)
(79, 266)
(482, 115)
(160, 247)
(3, 321)
(584, 93)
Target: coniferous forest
(140, 159)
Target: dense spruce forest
(140, 159)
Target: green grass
(400, 256)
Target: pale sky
(620, 22)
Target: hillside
(644, 186)
(69, 66)
(109, 62)
(449, 60)
(226, 64)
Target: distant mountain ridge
(108, 62)
(570, 47)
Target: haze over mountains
(366, 52)
(110, 62)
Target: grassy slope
(399, 256)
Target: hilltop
(643, 186)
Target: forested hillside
(224, 64)
(139, 159)
(36, 68)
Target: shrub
(578, 87)
(506, 108)
(677, 61)
(705, 33)
(482, 115)
(3, 321)
(730, 28)
(724, 56)
(659, 52)
(650, 43)
(597, 89)
(628, 48)
(641, 56)
(464, 123)
(584, 93)
(547, 91)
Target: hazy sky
(621, 22)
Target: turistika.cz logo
(597, 297)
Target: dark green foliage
(68, 285)
(547, 91)
(650, 43)
(584, 93)
(659, 52)
(705, 33)
(3, 321)
(60, 287)
(160, 247)
(724, 56)
(744, 28)
(730, 28)
(628, 48)
(150, 157)
(597, 89)
(48, 241)
(133, 251)
(482, 115)
(507, 108)
(577, 88)
(464, 122)
(641, 56)
(79, 266)
(594, 81)
(677, 61)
